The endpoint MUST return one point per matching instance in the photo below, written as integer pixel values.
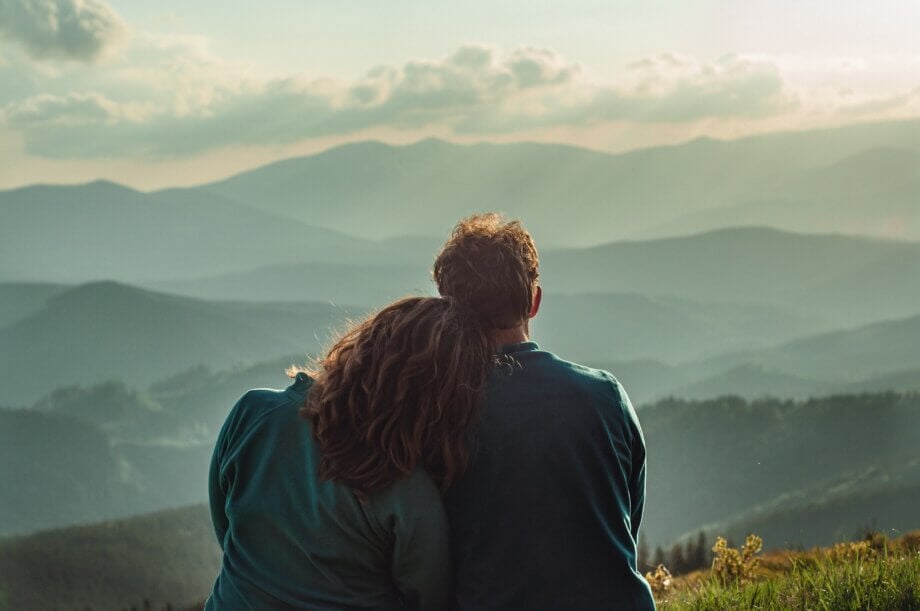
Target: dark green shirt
(294, 541)
(548, 512)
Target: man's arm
(637, 463)
(637, 485)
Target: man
(547, 513)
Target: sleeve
(637, 467)
(637, 485)
(217, 488)
(412, 513)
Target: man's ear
(537, 297)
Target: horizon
(463, 144)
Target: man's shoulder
(590, 378)
(598, 384)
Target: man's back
(547, 514)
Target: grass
(878, 574)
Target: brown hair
(398, 389)
(489, 264)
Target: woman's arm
(413, 514)
(217, 487)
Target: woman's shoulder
(259, 404)
(259, 400)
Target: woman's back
(293, 540)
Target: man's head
(489, 265)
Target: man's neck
(503, 337)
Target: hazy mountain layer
(623, 326)
(840, 280)
(821, 282)
(109, 331)
(106, 331)
(102, 231)
(874, 192)
(848, 356)
(18, 301)
(330, 282)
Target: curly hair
(490, 265)
(399, 389)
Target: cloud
(80, 30)
(880, 104)
(675, 88)
(475, 90)
(72, 109)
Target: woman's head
(398, 389)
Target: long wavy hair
(399, 389)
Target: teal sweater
(548, 512)
(294, 541)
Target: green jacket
(294, 541)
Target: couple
(436, 459)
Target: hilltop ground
(874, 574)
(169, 559)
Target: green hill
(56, 470)
(167, 557)
(104, 331)
(728, 459)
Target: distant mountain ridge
(570, 196)
(103, 231)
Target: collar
(302, 383)
(527, 346)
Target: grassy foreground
(873, 574)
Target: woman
(327, 495)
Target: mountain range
(570, 197)
(357, 203)
(759, 299)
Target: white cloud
(80, 30)
(72, 109)
(475, 90)
(873, 105)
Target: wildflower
(730, 565)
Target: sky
(167, 93)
